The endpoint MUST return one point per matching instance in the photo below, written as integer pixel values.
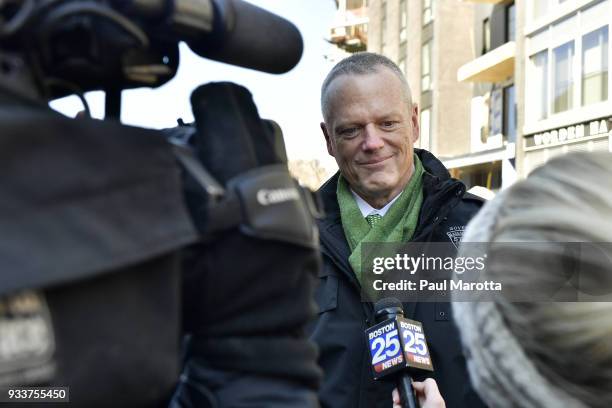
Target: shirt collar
(366, 209)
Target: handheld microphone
(397, 344)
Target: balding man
(385, 191)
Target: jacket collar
(435, 179)
(440, 193)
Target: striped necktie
(373, 219)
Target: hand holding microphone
(397, 345)
(427, 393)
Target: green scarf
(398, 224)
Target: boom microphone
(248, 36)
(397, 344)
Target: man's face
(370, 131)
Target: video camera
(117, 242)
(79, 46)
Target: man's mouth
(375, 161)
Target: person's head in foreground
(370, 125)
(546, 354)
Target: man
(370, 126)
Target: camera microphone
(396, 346)
(239, 33)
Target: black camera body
(116, 242)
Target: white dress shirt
(366, 209)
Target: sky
(291, 99)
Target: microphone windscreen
(387, 303)
(250, 37)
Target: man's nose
(373, 139)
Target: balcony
(500, 153)
(349, 30)
(494, 66)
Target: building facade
(415, 34)
(493, 119)
(567, 105)
(502, 85)
(545, 86)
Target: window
(510, 114)
(496, 112)
(403, 21)
(510, 23)
(426, 67)
(595, 66)
(425, 128)
(539, 85)
(486, 36)
(486, 175)
(568, 64)
(427, 11)
(563, 60)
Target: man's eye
(388, 124)
(349, 132)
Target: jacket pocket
(326, 294)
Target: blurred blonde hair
(567, 200)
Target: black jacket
(339, 328)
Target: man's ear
(328, 141)
(414, 119)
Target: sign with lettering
(569, 133)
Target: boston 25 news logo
(396, 344)
(385, 347)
